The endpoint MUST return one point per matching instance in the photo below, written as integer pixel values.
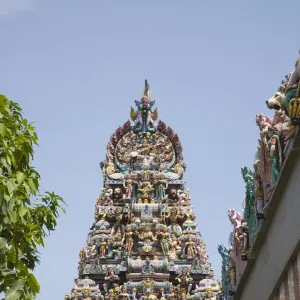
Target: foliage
(26, 218)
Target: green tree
(26, 217)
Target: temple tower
(144, 242)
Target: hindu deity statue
(174, 216)
(249, 210)
(111, 276)
(275, 156)
(129, 240)
(190, 248)
(185, 280)
(258, 191)
(146, 191)
(147, 239)
(175, 246)
(224, 252)
(162, 185)
(103, 247)
(91, 250)
(97, 207)
(236, 251)
(241, 235)
(165, 240)
(129, 186)
(117, 227)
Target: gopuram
(144, 242)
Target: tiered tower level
(144, 243)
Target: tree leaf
(20, 177)
(2, 129)
(33, 283)
(11, 186)
(3, 242)
(5, 220)
(13, 216)
(15, 292)
(22, 210)
(32, 185)
(4, 163)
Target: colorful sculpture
(250, 210)
(275, 134)
(144, 243)
(224, 252)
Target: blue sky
(76, 67)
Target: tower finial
(147, 91)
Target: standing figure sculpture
(117, 227)
(103, 248)
(190, 249)
(275, 157)
(165, 239)
(162, 187)
(128, 185)
(224, 252)
(258, 191)
(129, 241)
(250, 211)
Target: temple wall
(290, 287)
(275, 268)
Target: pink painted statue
(235, 218)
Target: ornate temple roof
(144, 241)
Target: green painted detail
(250, 211)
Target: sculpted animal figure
(286, 92)
(277, 102)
